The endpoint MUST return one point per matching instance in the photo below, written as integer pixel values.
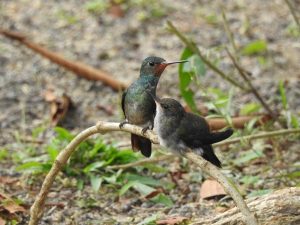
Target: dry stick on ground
(36, 210)
(77, 67)
(247, 138)
(252, 88)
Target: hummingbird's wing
(123, 102)
(193, 130)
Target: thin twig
(37, 208)
(142, 162)
(207, 167)
(252, 88)
(192, 46)
(228, 31)
(247, 138)
(282, 132)
(293, 12)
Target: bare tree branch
(37, 208)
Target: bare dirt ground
(118, 45)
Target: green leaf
(141, 188)
(63, 134)
(143, 179)
(249, 179)
(126, 187)
(149, 220)
(163, 199)
(248, 156)
(52, 152)
(37, 167)
(3, 153)
(283, 95)
(294, 121)
(185, 78)
(255, 47)
(250, 108)
(93, 166)
(197, 65)
(259, 192)
(292, 175)
(96, 182)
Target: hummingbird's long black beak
(161, 66)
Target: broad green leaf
(143, 179)
(255, 47)
(248, 156)
(93, 166)
(292, 175)
(143, 189)
(37, 167)
(149, 220)
(185, 78)
(126, 187)
(283, 95)
(259, 192)
(63, 134)
(96, 182)
(250, 108)
(294, 121)
(52, 152)
(249, 179)
(163, 199)
(197, 65)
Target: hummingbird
(138, 106)
(178, 130)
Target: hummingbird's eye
(151, 63)
(165, 106)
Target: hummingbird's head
(155, 66)
(168, 107)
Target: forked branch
(36, 210)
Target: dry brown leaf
(2, 221)
(172, 220)
(116, 10)
(154, 193)
(211, 188)
(10, 205)
(8, 180)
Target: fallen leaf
(211, 188)
(8, 180)
(9, 204)
(172, 220)
(49, 95)
(154, 193)
(115, 10)
(2, 221)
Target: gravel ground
(118, 45)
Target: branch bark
(277, 208)
(36, 210)
(77, 67)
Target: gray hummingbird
(178, 130)
(138, 106)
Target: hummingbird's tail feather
(215, 137)
(142, 144)
(209, 155)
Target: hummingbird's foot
(144, 130)
(121, 125)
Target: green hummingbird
(179, 130)
(138, 106)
